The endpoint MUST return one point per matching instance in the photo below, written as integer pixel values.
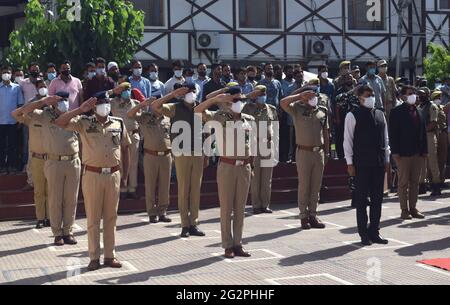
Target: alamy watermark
(374, 12)
(74, 12)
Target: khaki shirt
(101, 142)
(309, 124)
(391, 88)
(156, 131)
(240, 148)
(120, 108)
(35, 142)
(442, 118)
(57, 141)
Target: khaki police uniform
(62, 170)
(157, 161)
(189, 167)
(120, 108)
(309, 126)
(261, 185)
(442, 143)
(37, 162)
(233, 174)
(101, 177)
(430, 165)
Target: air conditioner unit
(319, 47)
(207, 40)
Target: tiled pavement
(282, 254)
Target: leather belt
(39, 156)
(61, 157)
(235, 162)
(157, 153)
(102, 170)
(311, 148)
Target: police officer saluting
(105, 145)
(234, 171)
(311, 128)
(366, 146)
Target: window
(259, 14)
(153, 9)
(366, 15)
(444, 4)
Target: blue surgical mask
(100, 71)
(372, 71)
(126, 94)
(91, 75)
(189, 79)
(51, 76)
(261, 99)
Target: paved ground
(282, 254)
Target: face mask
(103, 110)
(412, 99)
(371, 71)
(438, 85)
(65, 72)
(261, 99)
(100, 71)
(51, 76)
(313, 102)
(251, 78)
(43, 92)
(324, 75)
(126, 94)
(154, 75)
(91, 75)
(137, 72)
(18, 79)
(369, 102)
(237, 107)
(189, 79)
(34, 74)
(383, 70)
(6, 76)
(190, 98)
(63, 105)
(437, 101)
(178, 73)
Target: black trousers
(369, 183)
(9, 139)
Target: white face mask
(154, 75)
(178, 73)
(412, 99)
(324, 75)
(383, 70)
(313, 102)
(6, 76)
(18, 79)
(369, 102)
(437, 101)
(63, 105)
(237, 107)
(103, 110)
(137, 72)
(43, 91)
(190, 98)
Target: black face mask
(269, 74)
(34, 74)
(251, 78)
(114, 76)
(66, 72)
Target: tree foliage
(111, 29)
(437, 63)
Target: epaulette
(247, 117)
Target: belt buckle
(106, 171)
(161, 153)
(65, 158)
(239, 163)
(316, 149)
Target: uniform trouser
(442, 152)
(369, 182)
(430, 165)
(408, 181)
(189, 178)
(101, 200)
(132, 181)
(310, 166)
(8, 146)
(261, 185)
(233, 185)
(40, 188)
(157, 171)
(63, 179)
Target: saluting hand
(88, 105)
(307, 95)
(148, 102)
(180, 92)
(52, 100)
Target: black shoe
(47, 223)
(153, 219)
(266, 211)
(69, 240)
(194, 231)
(257, 211)
(365, 241)
(422, 189)
(378, 239)
(164, 218)
(40, 224)
(436, 190)
(185, 233)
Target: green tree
(111, 29)
(437, 63)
